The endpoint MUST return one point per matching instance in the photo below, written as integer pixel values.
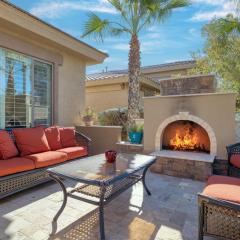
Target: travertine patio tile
(190, 230)
(168, 233)
(169, 214)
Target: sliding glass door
(25, 90)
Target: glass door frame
(52, 90)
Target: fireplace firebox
(184, 135)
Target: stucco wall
(167, 74)
(103, 137)
(105, 97)
(217, 109)
(71, 90)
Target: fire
(184, 140)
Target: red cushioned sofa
(25, 153)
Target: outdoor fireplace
(184, 135)
(187, 132)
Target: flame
(187, 140)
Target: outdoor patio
(170, 213)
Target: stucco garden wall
(103, 137)
(217, 109)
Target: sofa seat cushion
(7, 146)
(74, 152)
(49, 158)
(68, 138)
(31, 140)
(53, 137)
(235, 160)
(223, 187)
(15, 165)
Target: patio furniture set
(31, 156)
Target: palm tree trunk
(134, 80)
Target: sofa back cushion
(7, 146)
(53, 137)
(31, 140)
(68, 138)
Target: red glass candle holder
(111, 156)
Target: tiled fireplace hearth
(187, 132)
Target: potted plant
(135, 133)
(88, 117)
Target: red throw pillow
(68, 138)
(7, 146)
(53, 137)
(31, 140)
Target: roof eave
(37, 26)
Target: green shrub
(116, 117)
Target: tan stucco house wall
(25, 34)
(110, 89)
(112, 92)
(168, 70)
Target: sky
(172, 40)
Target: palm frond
(96, 27)
(165, 9)
(115, 31)
(159, 10)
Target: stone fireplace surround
(215, 112)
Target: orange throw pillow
(53, 137)
(68, 138)
(7, 146)
(31, 140)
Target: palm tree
(134, 16)
(230, 25)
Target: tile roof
(124, 72)
(104, 75)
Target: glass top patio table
(95, 170)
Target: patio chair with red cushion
(234, 160)
(219, 208)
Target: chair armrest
(84, 137)
(83, 140)
(219, 202)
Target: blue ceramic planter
(135, 137)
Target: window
(25, 91)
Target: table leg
(144, 180)
(101, 213)
(54, 222)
